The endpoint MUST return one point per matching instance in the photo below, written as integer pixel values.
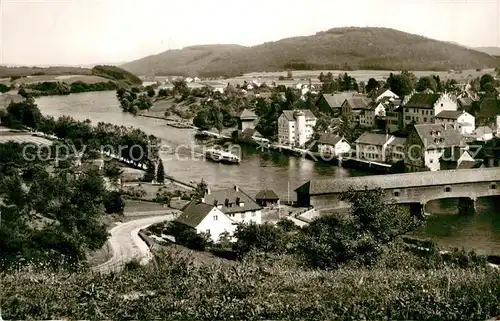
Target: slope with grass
(340, 48)
(493, 51)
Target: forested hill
(340, 48)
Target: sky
(81, 32)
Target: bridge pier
(467, 206)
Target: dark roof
(423, 100)
(435, 136)
(358, 102)
(336, 100)
(450, 114)
(470, 164)
(232, 194)
(372, 139)
(266, 194)
(329, 139)
(464, 102)
(247, 114)
(398, 141)
(452, 154)
(392, 181)
(194, 213)
(289, 114)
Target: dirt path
(126, 243)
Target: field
(360, 75)
(138, 206)
(52, 78)
(23, 138)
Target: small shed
(267, 197)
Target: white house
(189, 79)
(295, 128)
(370, 113)
(372, 146)
(422, 108)
(235, 203)
(460, 120)
(426, 144)
(333, 145)
(206, 218)
(385, 93)
(484, 133)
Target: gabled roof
(382, 91)
(358, 102)
(483, 130)
(266, 194)
(464, 102)
(423, 100)
(398, 141)
(450, 114)
(336, 100)
(329, 139)
(436, 136)
(194, 213)
(251, 132)
(289, 114)
(368, 138)
(393, 181)
(232, 194)
(247, 115)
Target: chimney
(236, 188)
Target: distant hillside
(23, 71)
(339, 48)
(493, 51)
(116, 74)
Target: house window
(396, 193)
(493, 186)
(208, 231)
(425, 119)
(254, 214)
(215, 218)
(431, 161)
(447, 189)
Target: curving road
(127, 245)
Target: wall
(216, 226)
(444, 103)
(467, 118)
(432, 159)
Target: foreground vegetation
(172, 288)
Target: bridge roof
(394, 181)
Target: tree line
(48, 88)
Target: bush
(114, 203)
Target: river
(259, 170)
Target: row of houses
(388, 111)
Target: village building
(373, 112)
(296, 127)
(426, 144)
(206, 218)
(247, 119)
(394, 117)
(266, 198)
(395, 150)
(483, 133)
(372, 146)
(458, 158)
(331, 104)
(354, 105)
(465, 103)
(333, 145)
(384, 93)
(235, 203)
(421, 108)
(460, 120)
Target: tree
(426, 83)
(151, 92)
(487, 82)
(200, 190)
(4, 88)
(372, 85)
(149, 176)
(218, 119)
(402, 84)
(114, 203)
(160, 173)
(372, 225)
(264, 237)
(113, 172)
